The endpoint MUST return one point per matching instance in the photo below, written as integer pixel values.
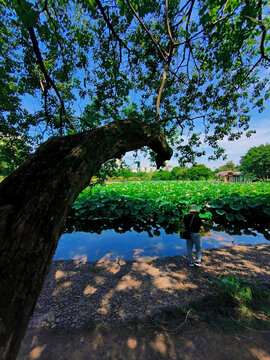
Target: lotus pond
(142, 219)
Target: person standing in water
(193, 224)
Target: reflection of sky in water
(132, 245)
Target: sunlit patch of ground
(36, 352)
(128, 282)
(117, 290)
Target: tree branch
(168, 24)
(193, 57)
(48, 79)
(147, 31)
(110, 25)
(250, 71)
(56, 35)
(164, 76)
(189, 13)
(263, 28)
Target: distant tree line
(196, 172)
(255, 163)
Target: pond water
(131, 245)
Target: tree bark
(34, 202)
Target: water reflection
(132, 245)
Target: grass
(233, 304)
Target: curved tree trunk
(34, 202)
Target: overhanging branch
(147, 31)
(110, 25)
(263, 28)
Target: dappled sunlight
(223, 252)
(146, 269)
(168, 280)
(59, 274)
(110, 266)
(172, 346)
(259, 354)
(145, 258)
(159, 344)
(99, 280)
(163, 283)
(66, 284)
(171, 265)
(89, 290)
(166, 283)
(250, 265)
(98, 341)
(105, 303)
(190, 344)
(179, 276)
(125, 290)
(131, 343)
(34, 340)
(127, 282)
(121, 313)
(36, 352)
(142, 341)
(62, 287)
(114, 268)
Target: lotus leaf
(239, 216)
(165, 201)
(229, 217)
(220, 212)
(236, 206)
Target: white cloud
(234, 149)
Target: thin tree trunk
(34, 202)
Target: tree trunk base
(35, 201)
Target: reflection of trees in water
(125, 224)
(121, 225)
(243, 229)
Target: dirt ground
(146, 340)
(201, 343)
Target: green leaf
(216, 204)
(229, 217)
(220, 211)
(112, 206)
(207, 215)
(236, 206)
(239, 216)
(254, 203)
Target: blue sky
(234, 149)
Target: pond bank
(78, 294)
(87, 310)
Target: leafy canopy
(197, 68)
(228, 166)
(257, 161)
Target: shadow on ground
(104, 310)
